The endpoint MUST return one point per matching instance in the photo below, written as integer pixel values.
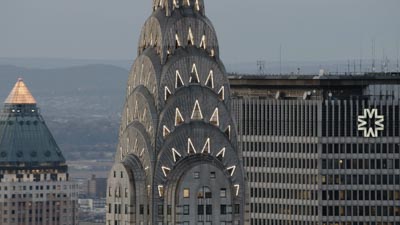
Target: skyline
(109, 30)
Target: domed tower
(34, 179)
(177, 160)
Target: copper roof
(20, 94)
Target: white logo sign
(371, 115)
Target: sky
(248, 30)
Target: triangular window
(190, 37)
(221, 93)
(197, 114)
(210, 80)
(177, 41)
(194, 76)
(203, 42)
(166, 131)
(176, 155)
(206, 147)
(228, 132)
(165, 170)
(191, 149)
(214, 120)
(178, 80)
(221, 154)
(178, 117)
(167, 93)
(197, 5)
(231, 170)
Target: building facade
(34, 183)
(177, 161)
(320, 150)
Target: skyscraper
(320, 150)
(34, 182)
(177, 161)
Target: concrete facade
(309, 159)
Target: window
(186, 210)
(222, 193)
(160, 210)
(212, 175)
(223, 209)
(208, 209)
(186, 193)
(196, 175)
(200, 209)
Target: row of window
(284, 193)
(361, 195)
(274, 147)
(361, 211)
(377, 148)
(280, 162)
(355, 179)
(296, 222)
(291, 209)
(284, 178)
(361, 164)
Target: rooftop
(20, 94)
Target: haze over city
(307, 30)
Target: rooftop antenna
(373, 55)
(348, 67)
(361, 57)
(280, 59)
(354, 65)
(398, 57)
(261, 67)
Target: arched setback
(184, 102)
(201, 194)
(145, 71)
(193, 63)
(139, 106)
(134, 141)
(176, 34)
(188, 178)
(125, 188)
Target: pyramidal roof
(20, 94)
(25, 139)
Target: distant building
(34, 182)
(320, 150)
(96, 187)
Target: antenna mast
(280, 59)
(261, 67)
(373, 55)
(398, 56)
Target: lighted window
(178, 80)
(194, 75)
(166, 131)
(210, 80)
(178, 117)
(176, 155)
(196, 113)
(167, 93)
(214, 120)
(190, 37)
(221, 93)
(186, 193)
(203, 43)
(191, 149)
(206, 148)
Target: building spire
(20, 94)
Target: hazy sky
(247, 29)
